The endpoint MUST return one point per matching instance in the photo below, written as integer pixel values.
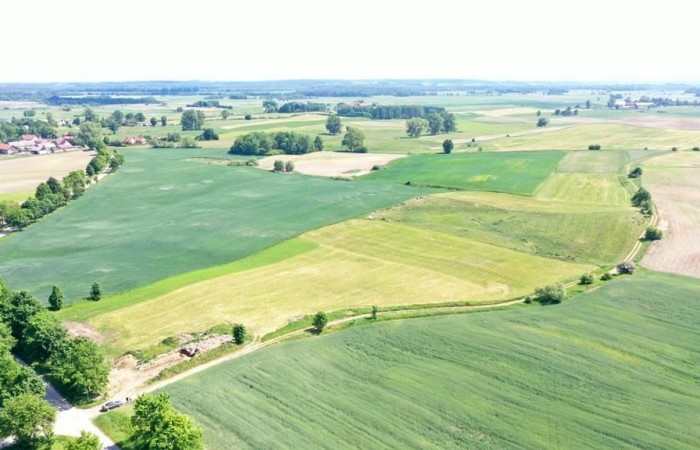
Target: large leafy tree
(79, 365)
(43, 335)
(354, 139)
(157, 426)
(28, 418)
(17, 312)
(333, 124)
(16, 379)
(91, 134)
(416, 127)
(436, 123)
(86, 441)
(192, 120)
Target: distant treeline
(208, 104)
(299, 107)
(385, 112)
(99, 100)
(261, 143)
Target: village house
(36, 145)
(134, 140)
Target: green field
(588, 233)
(352, 264)
(163, 214)
(592, 162)
(514, 173)
(596, 188)
(615, 368)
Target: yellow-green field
(357, 263)
(592, 162)
(599, 188)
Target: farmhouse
(7, 149)
(36, 145)
(134, 140)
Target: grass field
(598, 188)
(615, 368)
(24, 173)
(355, 264)
(515, 173)
(163, 214)
(592, 162)
(609, 136)
(590, 233)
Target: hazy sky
(611, 40)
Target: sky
(129, 40)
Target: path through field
(674, 184)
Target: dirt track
(674, 183)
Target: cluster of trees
(281, 166)
(354, 140)
(48, 197)
(102, 160)
(173, 140)
(386, 112)
(270, 106)
(299, 107)
(595, 147)
(261, 143)
(157, 425)
(208, 104)
(434, 123)
(15, 128)
(192, 120)
(635, 173)
(542, 122)
(100, 100)
(118, 119)
(550, 295)
(653, 233)
(208, 134)
(566, 112)
(642, 199)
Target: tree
(626, 267)
(539, 113)
(447, 146)
(7, 341)
(320, 321)
(270, 106)
(449, 123)
(113, 125)
(163, 120)
(542, 122)
(653, 233)
(16, 379)
(54, 185)
(318, 144)
(333, 124)
(586, 279)
(588, 104)
(248, 117)
(86, 441)
(41, 191)
(157, 426)
(29, 418)
(640, 196)
(375, 310)
(154, 121)
(289, 166)
(435, 123)
(79, 365)
(19, 310)
(118, 116)
(95, 292)
(225, 114)
(90, 115)
(91, 135)
(278, 165)
(56, 299)
(208, 135)
(354, 140)
(416, 127)
(239, 333)
(595, 147)
(43, 334)
(192, 120)
(551, 295)
(140, 117)
(635, 173)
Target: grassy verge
(224, 349)
(117, 425)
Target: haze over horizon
(503, 40)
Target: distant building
(7, 149)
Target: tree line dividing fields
(162, 215)
(611, 369)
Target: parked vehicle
(111, 405)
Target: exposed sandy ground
(83, 329)
(332, 164)
(664, 122)
(674, 183)
(24, 173)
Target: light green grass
(615, 368)
(578, 232)
(592, 162)
(357, 264)
(609, 136)
(515, 173)
(599, 188)
(16, 196)
(162, 215)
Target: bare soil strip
(333, 164)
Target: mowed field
(674, 182)
(598, 233)
(514, 173)
(24, 174)
(164, 214)
(352, 264)
(614, 368)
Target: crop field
(352, 264)
(23, 174)
(587, 233)
(614, 368)
(592, 162)
(600, 188)
(163, 214)
(609, 136)
(674, 183)
(515, 173)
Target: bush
(320, 321)
(586, 279)
(542, 122)
(636, 172)
(640, 196)
(447, 146)
(606, 276)
(696, 149)
(674, 149)
(594, 147)
(550, 295)
(278, 166)
(289, 166)
(248, 117)
(208, 135)
(626, 267)
(378, 167)
(653, 233)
